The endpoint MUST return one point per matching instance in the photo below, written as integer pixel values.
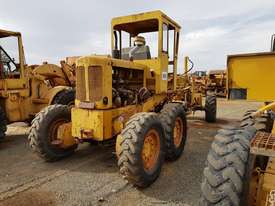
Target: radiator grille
(80, 83)
(95, 83)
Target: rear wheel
(140, 149)
(43, 134)
(65, 97)
(173, 119)
(210, 107)
(3, 124)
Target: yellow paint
(263, 109)
(25, 94)
(105, 124)
(64, 134)
(254, 72)
(101, 121)
(160, 64)
(266, 184)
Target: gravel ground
(90, 176)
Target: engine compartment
(128, 87)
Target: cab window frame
(165, 38)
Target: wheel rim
(150, 150)
(53, 140)
(178, 132)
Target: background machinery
(191, 89)
(199, 74)
(25, 90)
(216, 82)
(128, 97)
(241, 162)
(200, 78)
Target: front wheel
(140, 149)
(44, 131)
(210, 108)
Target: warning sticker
(164, 75)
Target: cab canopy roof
(5, 33)
(143, 22)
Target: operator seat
(138, 52)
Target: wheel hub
(53, 133)
(151, 149)
(178, 132)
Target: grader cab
(127, 97)
(241, 163)
(25, 90)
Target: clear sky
(211, 29)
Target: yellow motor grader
(25, 90)
(191, 90)
(200, 78)
(216, 82)
(240, 166)
(127, 97)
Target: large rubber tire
(41, 128)
(3, 124)
(263, 123)
(171, 113)
(210, 108)
(224, 174)
(229, 162)
(130, 161)
(65, 97)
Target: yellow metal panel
(84, 119)
(159, 70)
(106, 65)
(64, 134)
(164, 73)
(142, 17)
(254, 72)
(105, 124)
(15, 83)
(268, 184)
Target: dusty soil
(90, 176)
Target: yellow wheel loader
(128, 98)
(25, 90)
(240, 166)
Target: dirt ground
(90, 176)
